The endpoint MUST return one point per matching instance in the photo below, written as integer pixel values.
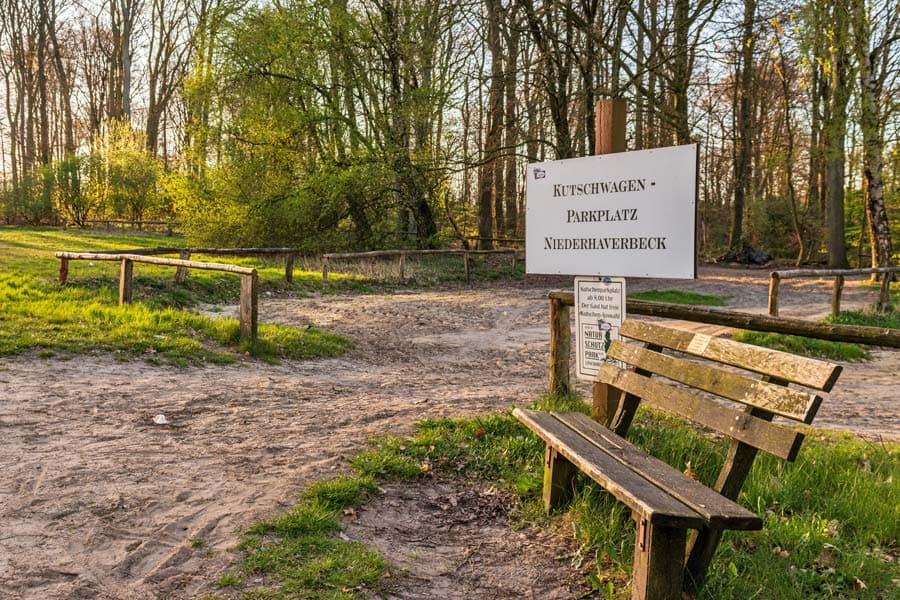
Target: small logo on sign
(539, 173)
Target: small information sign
(599, 312)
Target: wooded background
(360, 124)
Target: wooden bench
(665, 502)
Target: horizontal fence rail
(884, 297)
(402, 254)
(249, 300)
(561, 333)
(181, 274)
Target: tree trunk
(872, 126)
(744, 130)
(837, 131)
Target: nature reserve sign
(599, 312)
(631, 214)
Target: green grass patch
(37, 314)
(679, 297)
(832, 518)
(886, 320)
(805, 346)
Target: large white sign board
(631, 213)
(599, 312)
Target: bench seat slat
(808, 372)
(778, 399)
(655, 505)
(739, 425)
(721, 512)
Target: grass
(843, 351)
(38, 315)
(832, 519)
(805, 346)
(680, 297)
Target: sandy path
(98, 502)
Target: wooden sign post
(609, 138)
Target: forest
(365, 124)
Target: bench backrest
(757, 379)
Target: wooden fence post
(609, 138)
(560, 347)
(289, 267)
(324, 268)
(63, 270)
(125, 285)
(402, 263)
(515, 261)
(249, 306)
(884, 294)
(181, 273)
(466, 265)
(836, 295)
(774, 284)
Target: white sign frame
(631, 213)
(599, 312)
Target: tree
(744, 129)
(873, 55)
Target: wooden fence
(249, 301)
(402, 254)
(561, 333)
(884, 297)
(181, 273)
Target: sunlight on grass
(679, 297)
(37, 314)
(832, 518)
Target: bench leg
(658, 561)
(559, 478)
(701, 549)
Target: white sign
(631, 213)
(599, 312)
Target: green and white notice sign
(599, 312)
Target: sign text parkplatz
(631, 213)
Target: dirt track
(98, 502)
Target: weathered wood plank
(791, 403)
(655, 505)
(795, 273)
(156, 260)
(808, 372)
(774, 288)
(718, 510)
(741, 426)
(249, 307)
(126, 287)
(836, 295)
(876, 336)
(560, 347)
(658, 571)
(559, 478)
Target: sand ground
(97, 501)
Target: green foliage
(768, 226)
(122, 176)
(679, 297)
(804, 346)
(316, 152)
